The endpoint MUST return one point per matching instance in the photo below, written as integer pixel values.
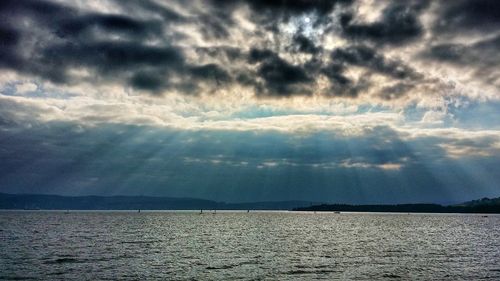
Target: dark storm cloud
(467, 15)
(140, 44)
(372, 62)
(111, 60)
(268, 14)
(340, 84)
(69, 38)
(460, 19)
(64, 27)
(335, 73)
(148, 81)
(481, 58)
(271, 13)
(112, 56)
(214, 26)
(44, 9)
(280, 77)
(481, 53)
(221, 53)
(8, 36)
(75, 27)
(399, 23)
(295, 6)
(369, 58)
(167, 15)
(283, 7)
(303, 44)
(211, 72)
(478, 20)
(395, 91)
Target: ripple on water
(310, 271)
(392, 276)
(63, 260)
(274, 246)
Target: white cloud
(26, 87)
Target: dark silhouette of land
(56, 202)
(484, 205)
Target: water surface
(247, 246)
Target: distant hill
(56, 202)
(484, 205)
(482, 202)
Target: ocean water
(247, 246)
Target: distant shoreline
(58, 202)
(406, 208)
(134, 203)
(227, 211)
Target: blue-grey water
(247, 246)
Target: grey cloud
(118, 24)
(447, 52)
(459, 16)
(80, 40)
(211, 72)
(482, 57)
(399, 24)
(305, 45)
(284, 8)
(151, 81)
(280, 77)
(8, 37)
(167, 15)
(226, 54)
(480, 53)
(214, 26)
(78, 44)
(142, 44)
(369, 58)
(109, 59)
(43, 10)
(373, 62)
(283, 79)
(340, 84)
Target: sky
(340, 101)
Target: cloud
(24, 88)
(482, 57)
(367, 57)
(285, 8)
(241, 165)
(398, 24)
(305, 45)
(260, 99)
(280, 77)
(467, 16)
(481, 53)
(336, 49)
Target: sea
(255, 245)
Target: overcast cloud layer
(359, 101)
